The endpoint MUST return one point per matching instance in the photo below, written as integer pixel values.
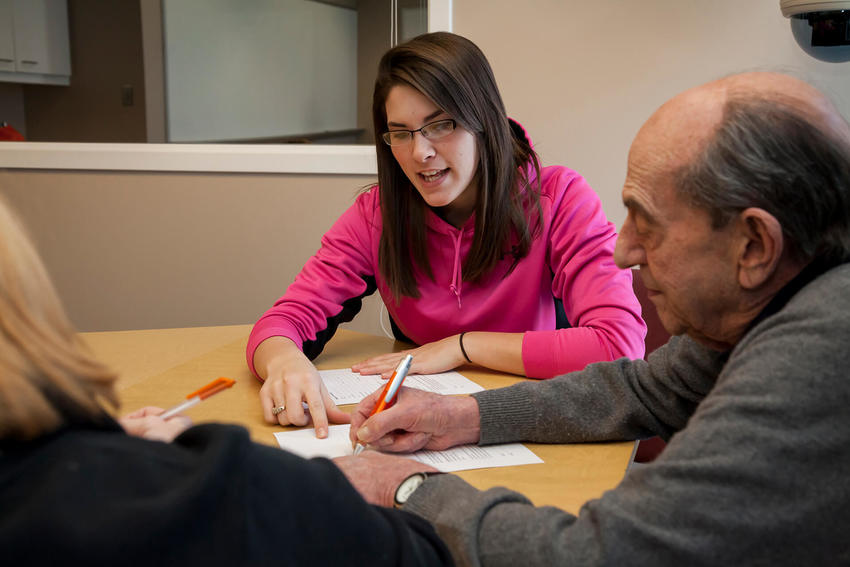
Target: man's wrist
(467, 420)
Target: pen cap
(388, 394)
(213, 387)
(397, 379)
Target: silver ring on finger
(278, 409)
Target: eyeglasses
(432, 131)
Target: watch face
(407, 487)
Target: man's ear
(762, 245)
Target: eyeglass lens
(432, 131)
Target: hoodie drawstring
(457, 275)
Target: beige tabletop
(159, 367)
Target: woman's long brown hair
(454, 74)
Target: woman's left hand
(430, 358)
(146, 423)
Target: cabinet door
(7, 37)
(41, 37)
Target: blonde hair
(47, 377)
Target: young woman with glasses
(481, 255)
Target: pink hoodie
(570, 260)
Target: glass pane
(255, 71)
(278, 71)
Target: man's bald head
(688, 121)
(810, 103)
(763, 140)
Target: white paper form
(347, 387)
(465, 457)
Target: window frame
(257, 158)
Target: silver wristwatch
(407, 487)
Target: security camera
(820, 27)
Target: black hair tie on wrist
(463, 350)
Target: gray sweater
(756, 471)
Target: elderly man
(738, 198)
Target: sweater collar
(812, 271)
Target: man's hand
(376, 476)
(418, 420)
(146, 423)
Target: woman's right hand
(146, 423)
(289, 379)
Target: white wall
(583, 75)
(231, 74)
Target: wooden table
(159, 367)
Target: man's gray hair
(767, 154)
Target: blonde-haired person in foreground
(76, 489)
(47, 379)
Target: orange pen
(390, 393)
(197, 396)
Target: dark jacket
(92, 495)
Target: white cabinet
(7, 37)
(34, 44)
